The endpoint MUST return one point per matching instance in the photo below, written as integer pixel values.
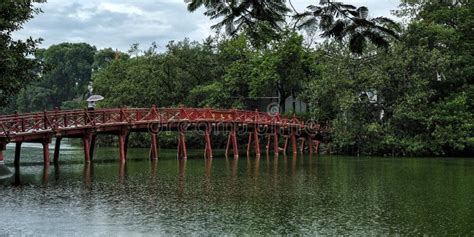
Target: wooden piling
(293, 143)
(122, 152)
(256, 142)
(235, 147)
(86, 142)
(45, 144)
(154, 147)
(276, 147)
(182, 150)
(208, 148)
(249, 144)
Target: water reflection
(235, 166)
(57, 171)
(181, 177)
(153, 167)
(17, 176)
(87, 174)
(45, 175)
(313, 195)
(122, 172)
(257, 168)
(208, 168)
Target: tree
(240, 15)
(104, 57)
(164, 79)
(346, 22)
(17, 66)
(284, 67)
(262, 18)
(69, 73)
(423, 84)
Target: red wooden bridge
(44, 126)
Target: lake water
(303, 195)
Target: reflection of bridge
(42, 127)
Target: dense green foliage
(414, 98)
(424, 87)
(69, 72)
(17, 68)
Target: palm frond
(357, 43)
(376, 39)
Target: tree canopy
(18, 67)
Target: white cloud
(121, 8)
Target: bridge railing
(63, 119)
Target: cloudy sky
(120, 23)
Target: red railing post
(65, 120)
(45, 119)
(122, 115)
(56, 117)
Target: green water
(303, 195)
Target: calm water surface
(306, 195)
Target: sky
(120, 23)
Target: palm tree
(334, 19)
(342, 21)
(238, 15)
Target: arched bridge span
(42, 127)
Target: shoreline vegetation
(410, 96)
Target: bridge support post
(45, 144)
(267, 147)
(257, 143)
(122, 146)
(86, 141)
(182, 150)
(276, 147)
(92, 148)
(317, 146)
(57, 147)
(293, 143)
(3, 147)
(208, 148)
(303, 141)
(227, 146)
(154, 147)
(232, 140)
(285, 146)
(17, 153)
(249, 144)
(235, 147)
(310, 144)
(127, 136)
